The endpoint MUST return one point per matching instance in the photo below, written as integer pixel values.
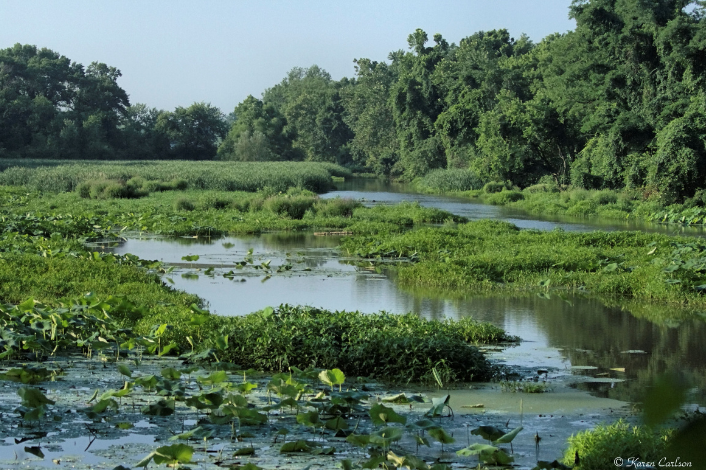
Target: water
(381, 192)
(559, 332)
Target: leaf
(33, 398)
(170, 373)
(244, 451)
(295, 446)
(124, 370)
(358, 440)
(35, 450)
(385, 436)
(190, 258)
(438, 405)
(335, 424)
(177, 453)
(309, 419)
(332, 377)
(442, 436)
(215, 378)
(487, 453)
(507, 438)
(381, 414)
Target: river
(608, 350)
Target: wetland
(246, 286)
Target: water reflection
(558, 332)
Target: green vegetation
(385, 346)
(599, 447)
(491, 255)
(42, 255)
(55, 176)
(617, 103)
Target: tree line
(618, 102)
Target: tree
(368, 114)
(257, 133)
(194, 133)
(310, 101)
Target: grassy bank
(62, 176)
(491, 255)
(551, 199)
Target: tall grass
(50, 175)
(449, 180)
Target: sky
(174, 53)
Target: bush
(542, 188)
(496, 187)
(292, 206)
(97, 188)
(84, 190)
(504, 197)
(387, 346)
(337, 207)
(605, 196)
(599, 447)
(183, 204)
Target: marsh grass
(490, 255)
(62, 176)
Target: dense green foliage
(489, 255)
(619, 102)
(57, 176)
(386, 346)
(598, 448)
(43, 256)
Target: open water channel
(612, 351)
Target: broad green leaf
(442, 436)
(124, 370)
(33, 398)
(295, 446)
(381, 414)
(507, 438)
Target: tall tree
(310, 101)
(257, 134)
(368, 113)
(194, 133)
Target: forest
(619, 102)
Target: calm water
(564, 333)
(380, 192)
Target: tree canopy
(618, 102)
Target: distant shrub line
(42, 175)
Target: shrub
(605, 196)
(84, 190)
(97, 188)
(504, 197)
(337, 207)
(292, 206)
(542, 188)
(179, 184)
(183, 204)
(598, 448)
(387, 346)
(496, 187)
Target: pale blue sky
(173, 53)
